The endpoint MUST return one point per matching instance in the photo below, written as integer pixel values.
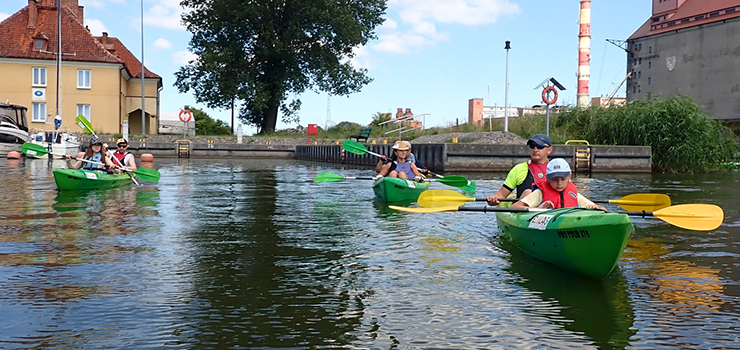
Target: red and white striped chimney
(584, 53)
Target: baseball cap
(540, 140)
(557, 167)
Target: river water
(235, 254)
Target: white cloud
(3, 16)
(96, 26)
(182, 58)
(99, 3)
(417, 24)
(362, 58)
(162, 44)
(166, 14)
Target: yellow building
(100, 78)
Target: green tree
(205, 125)
(259, 52)
(378, 118)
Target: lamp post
(506, 94)
(143, 109)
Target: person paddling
(524, 176)
(557, 192)
(400, 166)
(384, 160)
(95, 153)
(122, 157)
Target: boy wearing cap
(557, 191)
(122, 157)
(524, 176)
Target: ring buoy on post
(545, 92)
(188, 115)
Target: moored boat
(57, 142)
(13, 127)
(589, 242)
(81, 179)
(393, 189)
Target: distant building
(479, 114)
(689, 47)
(411, 123)
(101, 78)
(606, 101)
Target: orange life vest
(566, 199)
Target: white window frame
(84, 79)
(39, 112)
(84, 110)
(39, 77)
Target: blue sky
(431, 55)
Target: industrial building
(692, 48)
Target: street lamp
(506, 95)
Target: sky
(431, 56)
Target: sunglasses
(122, 146)
(533, 145)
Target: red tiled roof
(133, 65)
(18, 37)
(712, 10)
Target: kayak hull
(80, 179)
(589, 242)
(393, 189)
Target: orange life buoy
(554, 96)
(188, 115)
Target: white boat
(56, 141)
(13, 128)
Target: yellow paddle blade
(422, 210)
(643, 201)
(442, 198)
(699, 217)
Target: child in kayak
(401, 166)
(384, 160)
(557, 191)
(95, 153)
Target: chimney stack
(584, 53)
(33, 13)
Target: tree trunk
(270, 119)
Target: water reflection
(599, 309)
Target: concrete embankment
(437, 156)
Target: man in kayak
(400, 166)
(95, 153)
(122, 157)
(557, 192)
(524, 176)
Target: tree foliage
(205, 125)
(257, 53)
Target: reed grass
(682, 136)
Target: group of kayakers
(98, 158)
(539, 182)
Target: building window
(639, 74)
(714, 14)
(639, 46)
(685, 20)
(39, 112)
(39, 76)
(649, 80)
(699, 18)
(39, 44)
(650, 49)
(730, 10)
(83, 78)
(650, 64)
(84, 110)
(634, 89)
(639, 89)
(671, 24)
(640, 60)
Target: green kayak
(393, 189)
(80, 179)
(589, 242)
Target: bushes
(683, 138)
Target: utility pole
(506, 98)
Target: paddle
(330, 177)
(144, 173)
(697, 217)
(454, 181)
(83, 123)
(636, 202)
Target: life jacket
(538, 173)
(404, 167)
(97, 157)
(566, 199)
(120, 158)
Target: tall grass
(682, 136)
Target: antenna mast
(328, 111)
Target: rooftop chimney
(32, 13)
